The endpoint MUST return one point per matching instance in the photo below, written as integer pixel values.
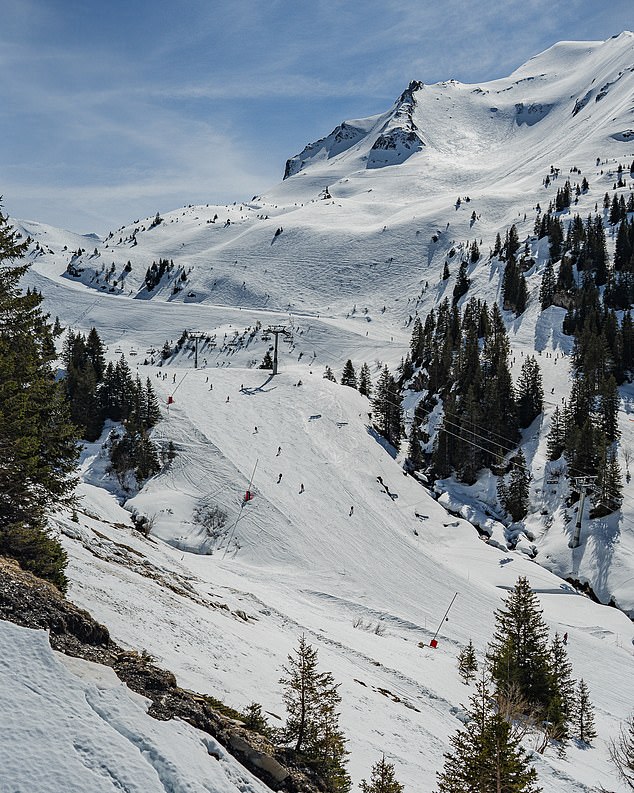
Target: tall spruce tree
(467, 663)
(387, 412)
(582, 717)
(349, 376)
(312, 726)
(518, 654)
(548, 286)
(562, 695)
(514, 495)
(37, 439)
(486, 756)
(556, 439)
(382, 779)
(530, 392)
(365, 381)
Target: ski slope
(365, 589)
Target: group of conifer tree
(463, 360)
(585, 428)
(37, 437)
(525, 690)
(97, 392)
(387, 411)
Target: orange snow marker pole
(170, 398)
(434, 643)
(244, 501)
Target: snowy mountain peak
(455, 118)
(392, 137)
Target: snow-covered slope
(345, 254)
(71, 725)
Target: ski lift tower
(276, 330)
(196, 337)
(584, 485)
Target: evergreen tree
(609, 484)
(365, 381)
(582, 716)
(37, 439)
(530, 392)
(518, 654)
(548, 286)
(560, 706)
(254, 719)
(556, 440)
(267, 362)
(349, 376)
(382, 779)
(95, 352)
(467, 663)
(462, 283)
(386, 409)
(414, 451)
(311, 698)
(609, 402)
(486, 757)
(416, 343)
(151, 408)
(514, 495)
(445, 272)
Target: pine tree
(556, 439)
(560, 706)
(254, 719)
(467, 663)
(311, 698)
(365, 381)
(267, 361)
(349, 376)
(416, 342)
(95, 352)
(382, 779)
(582, 716)
(609, 484)
(518, 654)
(530, 392)
(152, 410)
(514, 495)
(414, 451)
(486, 756)
(37, 439)
(609, 402)
(462, 283)
(548, 286)
(386, 409)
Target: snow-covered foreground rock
(71, 725)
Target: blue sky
(112, 110)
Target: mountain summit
(559, 89)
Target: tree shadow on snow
(382, 442)
(258, 389)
